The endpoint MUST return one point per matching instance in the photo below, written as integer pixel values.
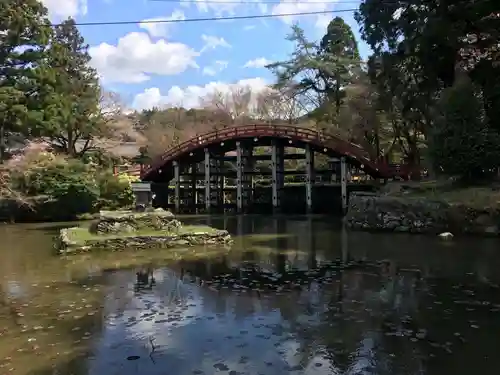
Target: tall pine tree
(24, 34)
(321, 69)
(72, 94)
(338, 51)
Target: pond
(294, 295)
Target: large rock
(419, 215)
(119, 230)
(115, 222)
(213, 237)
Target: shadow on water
(294, 295)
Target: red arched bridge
(224, 140)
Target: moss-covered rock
(119, 230)
(115, 222)
(67, 243)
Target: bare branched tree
(113, 125)
(283, 105)
(111, 104)
(234, 105)
(361, 121)
(169, 127)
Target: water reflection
(295, 295)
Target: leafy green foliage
(421, 50)
(462, 143)
(23, 23)
(115, 191)
(47, 88)
(71, 93)
(102, 158)
(321, 70)
(71, 186)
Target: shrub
(115, 191)
(68, 183)
(70, 186)
(102, 158)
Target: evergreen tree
(462, 142)
(338, 51)
(71, 96)
(24, 34)
(321, 70)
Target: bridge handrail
(278, 130)
(270, 130)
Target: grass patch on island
(80, 235)
(478, 197)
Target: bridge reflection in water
(294, 295)
(303, 296)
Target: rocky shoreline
(419, 215)
(120, 230)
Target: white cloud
(217, 67)
(249, 27)
(61, 9)
(260, 62)
(213, 42)
(192, 96)
(303, 6)
(209, 71)
(218, 7)
(159, 29)
(136, 57)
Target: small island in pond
(119, 230)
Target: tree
(364, 121)
(406, 106)
(303, 73)
(462, 142)
(110, 104)
(339, 53)
(321, 70)
(169, 127)
(280, 106)
(24, 34)
(234, 106)
(70, 98)
(437, 35)
(117, 123)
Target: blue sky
(177, 64)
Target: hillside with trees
(427, 96)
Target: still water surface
(294, 295)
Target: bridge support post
(194, 188)
(309, 177)
(277, 166)
(208, 195)
(220, 182)
(239, 177)
(343, 182)
(177, 185)
(248, 167)
(244, 168)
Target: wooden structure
(203, 166)
(203, 162)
